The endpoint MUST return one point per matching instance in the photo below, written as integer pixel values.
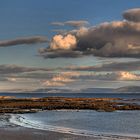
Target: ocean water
(88, 95)
(85, 122)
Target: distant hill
(97, 90)
(128, 89)
(49, 90)
(88, 90)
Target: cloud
(132, 15)
(108, 39)
(61, 79)
(40, 75)
(3, 79)
(61, 46)
(114, 39)
(60, 42)
(59, 53)
(53, 84)
(79, 23)
(73, 23)
(120, 66)
(127, 76)
(23, 40)
(57, 23)
(113, 66)
(11, 79)
(113, 76)
(14, 69)
(121, 76)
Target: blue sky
(34, 17)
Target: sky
(69, 44)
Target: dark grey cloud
(109, 39)
(114, 66)
(24, 40)
(132, 15)
(59, 53)
(114, 39)
(36, 75)
(14, 69)
(39, 72)
(73, 23)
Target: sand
(20, 133)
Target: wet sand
(20, 133)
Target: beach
(69, 118)
(10, 131)
(21, 133)
(13, 127)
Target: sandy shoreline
(9, 131)
(21, 133)
(12, 131)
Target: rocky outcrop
(53, 103)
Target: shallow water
(87, 122)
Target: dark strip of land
(14, 105)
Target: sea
(82, 95)
(118, 125)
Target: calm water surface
(120, 122)
(109, 95)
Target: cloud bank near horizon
(32, 77)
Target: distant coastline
(123, 90)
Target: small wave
(21, 121)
